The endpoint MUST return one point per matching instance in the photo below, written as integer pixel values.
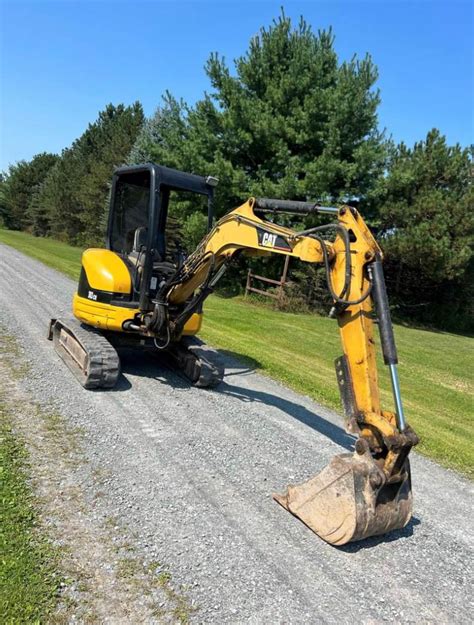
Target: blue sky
(63, 61)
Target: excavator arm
(362, 493)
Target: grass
(135, 571)
(55, 254)
(299, 350)
(28, 584)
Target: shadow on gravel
(145, 365)
(297, 411)
(236, 361)
(151, 366)
(155, 366)
(374, 541)
(240, 363)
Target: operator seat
(139, 243)
(137, 258)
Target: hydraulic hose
(338, 298)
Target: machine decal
(85, 290)
(272, 241)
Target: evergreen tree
(21, 183)
(426, 219)
(116, 132)
(37, 213)
(74, 197)
(291, 121)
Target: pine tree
(426, 219)
(290, 121)
(21, 183)
(116, 131)
(74, 197)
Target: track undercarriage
(94, 360)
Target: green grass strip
(300, 349)
(28, 584)
(55, 254)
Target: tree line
(289, 120)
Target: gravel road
(191, 473)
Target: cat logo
(269, 240)
(92, 295)
(273, 241)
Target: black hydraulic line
(345, 236)
(338, 298)
(185, 270)
(379, 294)
(197, 300)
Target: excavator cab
(139, 228)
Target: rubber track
(200, 364)
(104, 363)
(211, 368)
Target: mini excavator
(144, 293)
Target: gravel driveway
(191, 473)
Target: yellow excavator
(144, 292)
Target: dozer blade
(349, 500)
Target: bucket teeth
(348, 500)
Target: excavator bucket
(349, 500)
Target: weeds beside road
(28, 580)
(299, 350)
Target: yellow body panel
(106, 271)
(355, 323)
(100, 315)
(108, 317)
(193, 325)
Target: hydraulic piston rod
(401, 423)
